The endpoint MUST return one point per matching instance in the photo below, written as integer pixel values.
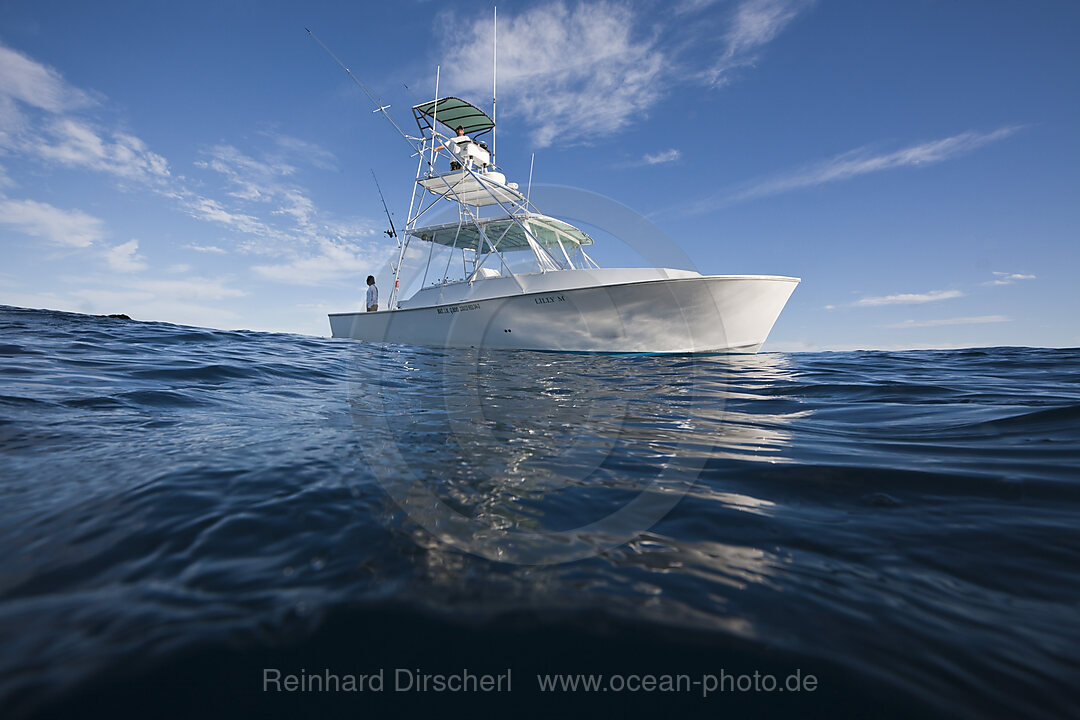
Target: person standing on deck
(372, 294)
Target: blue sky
(916, 163)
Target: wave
(182, 507)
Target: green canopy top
(547, 231)
(452, 111)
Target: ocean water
(183, 509)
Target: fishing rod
(392, 232)
(379, 107)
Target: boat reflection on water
(538, 457)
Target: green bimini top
(452, 111)
(506, 235)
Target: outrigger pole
(379, 107)
(494, 76)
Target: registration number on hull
(457, 308)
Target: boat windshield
(457, 250)
(506, 235)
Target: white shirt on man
(372, 296)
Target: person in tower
(456, 145)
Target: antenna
(392, 232)
(494, 75)
(378, 105)
(434, 117)
(529, 191)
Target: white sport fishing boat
(505, 275)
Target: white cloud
(206, 248)
(692, 6)
(1004, 278)
(977, 320)
(269, 236)
(576, 71)
(70, 228)
(309, 152)
(909, 298)
(125, 258)
(190, 301)
(754, 24)
(205, 208)
(248, 177)
(255, 195)
(331, 262)
(570, 72)
(290, 229)
(37, 85)
(264, 180)
(662, 157)
(40, 116)
(143, 304)
(861, 162)
(76, 143)
(254, 184)
(195, 288)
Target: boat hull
(681, 315)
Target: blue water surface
(181, 508)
